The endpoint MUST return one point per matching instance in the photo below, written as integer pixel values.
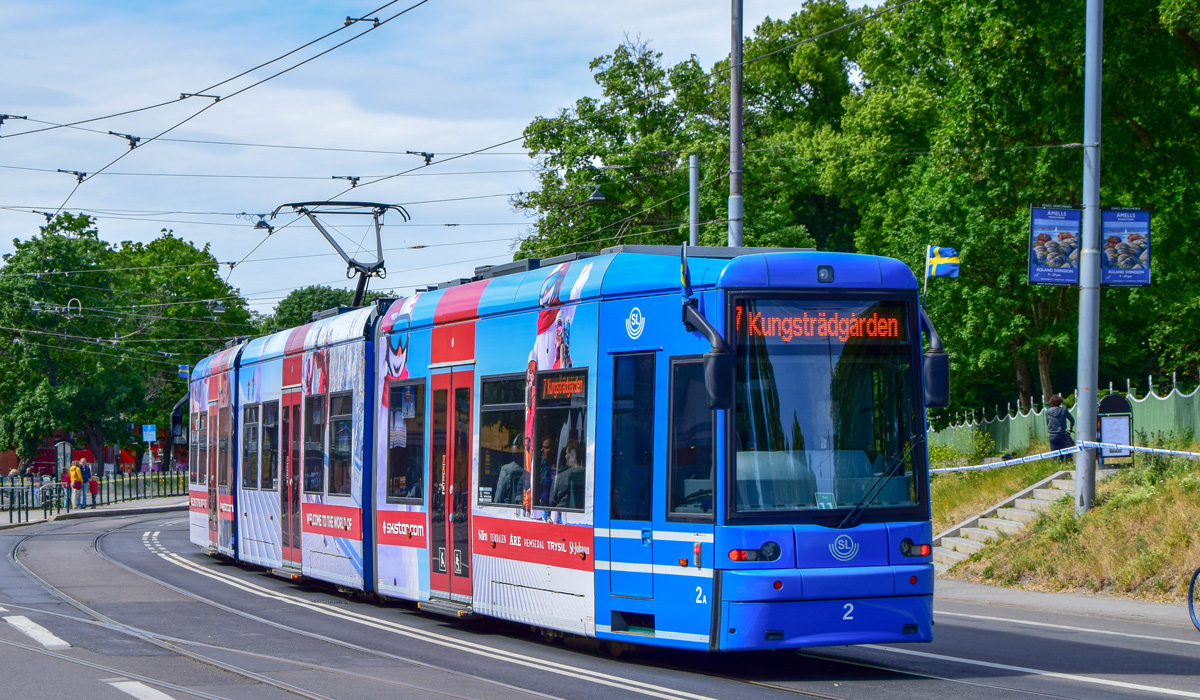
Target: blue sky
(450, 76)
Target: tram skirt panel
(537, 594)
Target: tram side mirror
(177, 426)
(936, 379)
(718, 373)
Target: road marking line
(1069, 627)
(1038, 672)
(139, 690)
(435, 638)
(36, 632)
(3, 609)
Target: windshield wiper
(857, 511)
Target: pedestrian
(76, 476)
(1057, 418)
(94, 489)
(85, 471)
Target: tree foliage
(296, 309)
(95, 332)
(936, 125)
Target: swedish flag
(685, 275)
(941, 262)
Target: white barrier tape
(1082, 445)
(1009, 462)
(1134, 448)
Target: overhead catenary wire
(239, 92)
(210, 88)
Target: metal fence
(22, 497)
(1172, 414)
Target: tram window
(224, 451)
(406, 443)
(560, 434)
(314, 445)
(341, 428)
(193, 457)
(250, 447)
(632, 436)
(202, 451)
(270, 445)
(502, 476)
(690, 484)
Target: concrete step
(962, 545)
(978, 534)
(1033, 505)
(1064, 484)
(947, 557)
(1001, 525)
(939, 568)
(1051, 495)
(1017, 515)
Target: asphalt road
(132, 609)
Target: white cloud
(450, 76)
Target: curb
(96, 513)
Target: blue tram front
(569, 444)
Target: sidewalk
(1089, 604)
(141, 506)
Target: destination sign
(562, 385)
(786, 322)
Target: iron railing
(22, 496)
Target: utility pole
(1089, 260)
(693, 199)
(735, 129)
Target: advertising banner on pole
(1054, 245)
(1124, 247)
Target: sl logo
(844, 548)
(635, 324)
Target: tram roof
(621, 271)
(625, 271)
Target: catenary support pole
(735, 129)
(694, 199)
(1089, 261)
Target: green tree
(296, 309)
(96, 332)
(168, 293)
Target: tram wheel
(550, 636)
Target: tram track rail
(775, 686)
(186, 647)
(176, 645)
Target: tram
(592, 446)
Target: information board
(1054, 234)
(148, 433)
(1124, 247)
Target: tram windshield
(826, 413)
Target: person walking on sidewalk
(76, 477)
(1057, 417)
(85, 470)
(94, 489)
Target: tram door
(450, 488)
(632, 480)
(210, 468)
(289, 482)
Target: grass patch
(1140, 540)
(959, 495)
